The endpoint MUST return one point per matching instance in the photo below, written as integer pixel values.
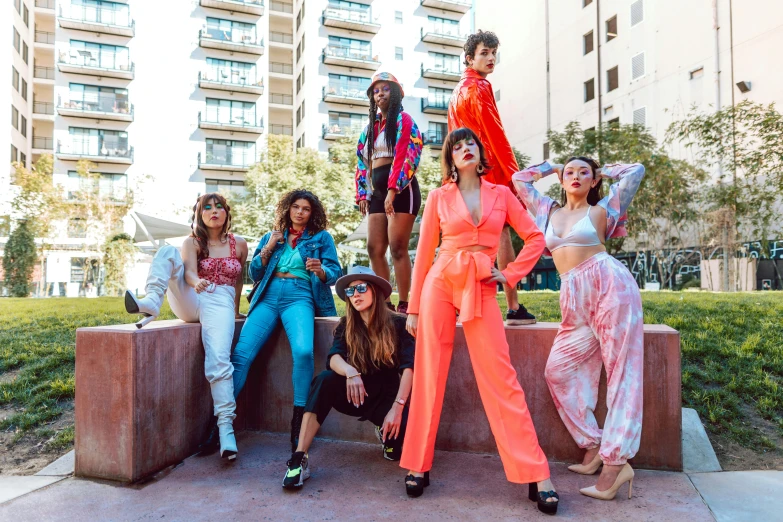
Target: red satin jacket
(472, 105)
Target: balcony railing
(281, 7)
(281, 68)
(435, 105)
(276, 128)
(43, 108)
(277, 36)
(230, 40)
(44, 37)
(281, 99)
(43, 73)
(96, 105)
(433, 137)
(231, 80)
(104, 63)
(43, 143)
(357, 18)
(445, 34)
(350, 56)
(96, 148)
(459, 6)
(226, 158)
(336, 131)
(442, 70)
(255, 7)
(45, 4)
(346, 92)
(99, 19)
(228, 119)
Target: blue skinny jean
(289, 301)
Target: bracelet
(352, 376)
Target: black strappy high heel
(550, 508)
(421, 483)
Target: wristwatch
(400, 401)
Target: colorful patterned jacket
(407, 154)
(627, 179)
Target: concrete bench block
(143, 403)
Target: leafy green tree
(666, 210)
(523, 160)
(118, 253)
(743, 145)
(19, 260)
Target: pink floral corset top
(222, 270)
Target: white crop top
(583, 234)
(379, 148)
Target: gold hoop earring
(480, 169)
(454, 175)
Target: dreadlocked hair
(395, 108)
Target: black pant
(328, 391)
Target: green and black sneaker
(298, 471)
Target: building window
(546, 151)
(18, 6)
(397, 17)
(26, 15)
(23, 126)
(612, 79)
(17, 41)
(23, 159)
(611, 29)
(226, 187)
(589, 89)
(101, 55)
(436, 132)
(229, 30)
(298, 83)
(587, 43)
(300, 143)
(77, 228)
(303, 76)
(398, 53)
(585, 3)
(24, 89)
(497, 95)
(14, 118)
(25, 51)
(225, 71)
(449, 63)
(637, 66)
(303, 109)
(444, 26)
(14, 78)
(640, 116)
(697, 73)
(614, 122)
(637, 12)
(230, 152)
(14, 153)
(112, 186)
(231, 112)
(346, 123)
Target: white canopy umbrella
(157, 230)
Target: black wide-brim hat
(362, 273)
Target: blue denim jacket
(320, 246)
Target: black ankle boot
(296, 426)
(212, 443)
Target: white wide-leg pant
(215, 311)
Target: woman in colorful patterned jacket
(386, 186)
(602, 314)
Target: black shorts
(406, 202)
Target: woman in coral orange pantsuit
(470, 214)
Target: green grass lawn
(732, 346)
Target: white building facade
(632, 61)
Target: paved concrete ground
(350, 481)
(742, 495)
(697, 453)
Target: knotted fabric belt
(465, 270)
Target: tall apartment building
(176, 98)
(632, 61)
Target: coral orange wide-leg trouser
(501, 393)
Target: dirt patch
(8, 377)
(31, 454)
(733, 457)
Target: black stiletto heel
(550, 508)
(421, 483)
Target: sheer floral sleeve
(627, 179)
(537, 204)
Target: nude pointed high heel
(626, 475)
(587, 469)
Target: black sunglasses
(361, 288)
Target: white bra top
(583, 234)
(379, 148)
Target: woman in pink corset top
(204, 285)
(602, 320)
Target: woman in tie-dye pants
(602, 320)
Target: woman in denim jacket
(294, 266)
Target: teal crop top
(292, 263)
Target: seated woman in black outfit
(369, 371)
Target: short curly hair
(318, 220)
(488, 38)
